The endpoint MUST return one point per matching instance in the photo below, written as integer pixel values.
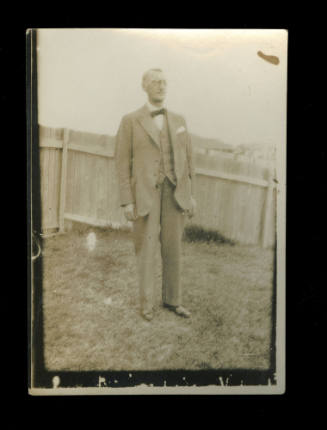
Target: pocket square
(180, 130)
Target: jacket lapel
(148, 124)
(173, 126)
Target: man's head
(154, 84)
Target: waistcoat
(166, 168)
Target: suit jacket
(138, 159)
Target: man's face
(155, 87)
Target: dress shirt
(158, 119)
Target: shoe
(179, 310)
(148, 316)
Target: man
(156, 183)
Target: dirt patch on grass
(91, 307)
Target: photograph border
(220, 381)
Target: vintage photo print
(157, 177)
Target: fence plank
(267, 209)
(63, 181)
(82, 197)
(89, 150)
(232, 177)
(51, 143)
(51, 190)
(92, 186)
(97, 222)
(69, 183)
(57, 182)
(75, 181)
(45, 180)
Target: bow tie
(158, 112)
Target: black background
(306, 216)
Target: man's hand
(129, 212)
(191, 212)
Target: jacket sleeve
(190, 161)
(124, 161)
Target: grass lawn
(91, 307)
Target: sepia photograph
(157, 210)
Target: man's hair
(146, 74)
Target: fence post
(63, 181)
(267, 211)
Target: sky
(89, 78)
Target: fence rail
(79, 183)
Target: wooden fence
(79, 183)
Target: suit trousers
(164, 224)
